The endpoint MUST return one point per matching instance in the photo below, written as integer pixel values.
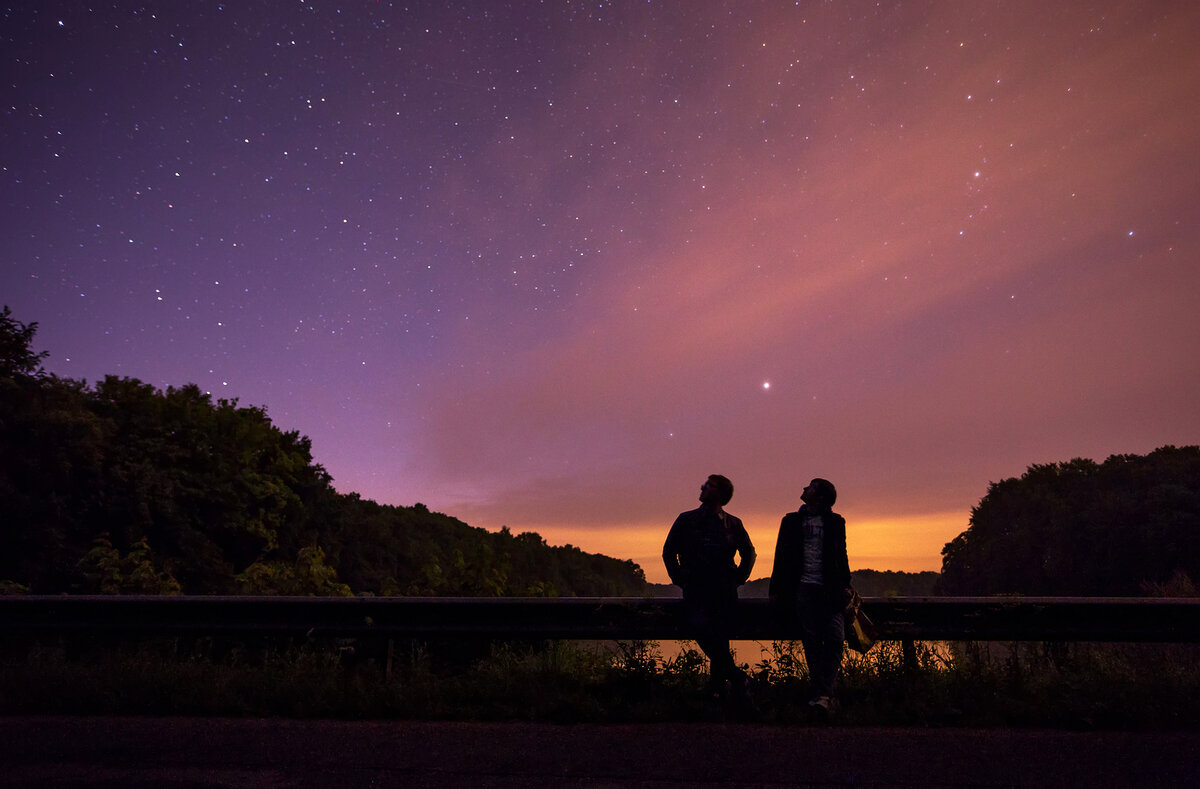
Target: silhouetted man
(811, 582)
(699, 555)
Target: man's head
(717, 490)
(820, 494)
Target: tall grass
(975, 684)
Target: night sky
(550, 264)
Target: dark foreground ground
(221, 752)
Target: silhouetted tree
(1083, 528)
(16, 348)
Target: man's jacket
(789, 555)
(700, 548)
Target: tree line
(120, 488)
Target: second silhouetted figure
(811, 584)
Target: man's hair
(725, 486)
(825, 491)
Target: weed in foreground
(977, 684)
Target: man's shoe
(821, 708)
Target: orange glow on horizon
(909, 543)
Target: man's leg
(709, 613)
(822, 633)
(831, 648)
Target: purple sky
(548, 265)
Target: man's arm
(842, 563)
(671, 553)
(745, 550)
(783, 569)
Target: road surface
(189, 753)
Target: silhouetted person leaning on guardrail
(811, 582)
(699, 555)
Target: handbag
(861, 632)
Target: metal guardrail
(902, 618)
